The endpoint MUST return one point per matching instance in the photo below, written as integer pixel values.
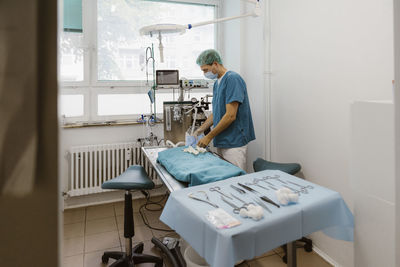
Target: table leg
(291, 254)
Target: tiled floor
(88, 232)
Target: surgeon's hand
(204, 141)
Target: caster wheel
(138, 248)
(308, 247)
(104, 259)
(284, 259)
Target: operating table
(151, 154)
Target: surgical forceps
(270, 185)
(303, 188)
(241, 191)
(245, 204)
(274, 188)
(261, 204)
(236, 209)
(207, 200)
(217, 189)
(294, 190)
(265, 198)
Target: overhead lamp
(157, 30)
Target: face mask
(210, 75)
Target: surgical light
(159, 29)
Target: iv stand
(154, 86)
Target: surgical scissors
(303, 187)
(217, 189)
(191, 195)
(236, 209)
(255, 183)
(276, 177)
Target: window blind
(73, 15)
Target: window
(118, 37)
(72, 53)
(72, 105)
(122, 104)
(71, 42)
(103, 56)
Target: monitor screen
(167, 78)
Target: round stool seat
(134, 177)
(261, 165)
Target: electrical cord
(145, 207)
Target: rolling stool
(290, 168)
(134, 178)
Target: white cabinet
(372, 177)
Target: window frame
(91, 87)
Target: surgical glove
(190, 140)
(198, 133)
(286, 196)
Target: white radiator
(92, 165)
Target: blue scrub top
(232, 88)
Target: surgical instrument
(274, 188)
(255, 182)
(236, 209)
(260, 203)
(241, 191)
(276, 177)
(271, 185)
(303, 188)
(191, 195)
(265, 198)
(217, 189)
(241, 200)
(294, 190)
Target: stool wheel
(284, 258)
(308, 247)
(104, 259)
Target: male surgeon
(231, 116)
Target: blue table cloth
(196, 169)
(320, 209)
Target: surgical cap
(208, 57)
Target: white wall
(326, 54)
(229, 36)
(252, 67)
(243, 51)
(397, 123)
